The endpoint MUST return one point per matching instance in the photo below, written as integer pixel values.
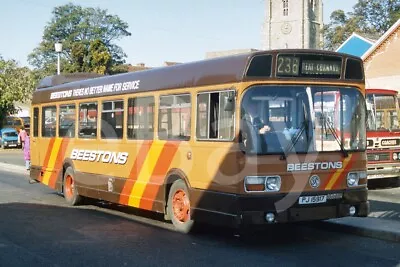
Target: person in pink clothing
(27, 152)
(21, 136)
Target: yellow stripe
(52, 161)
(145, 173)
(336, 175)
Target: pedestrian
(21, 137)
(27, 152)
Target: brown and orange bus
(229, 141)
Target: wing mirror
(230, 102)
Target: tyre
(70, 191)
(179, 208)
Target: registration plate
(304, 200)
(12, 145)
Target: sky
(173, 30)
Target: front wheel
(69, 188)
(179, 207)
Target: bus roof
(221, 70)
(381, 91)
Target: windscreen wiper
(333, 132)
(295, 139)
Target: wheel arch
(170, 178)
(67, 163)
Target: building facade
(293, 24)
(382, 61)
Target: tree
(370, 18)
(88, 37)
(16, 85)
(340, 27)
(378, 15)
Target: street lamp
(58, 47)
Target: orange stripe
(158, 175)
(338, 173)
(137, 166)
(59, 163)
(325, 184)
(47, 157)
(343, 176)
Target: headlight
(5, 142)
(394, 156)
(273, 183)
(353, 178)
(262, 183)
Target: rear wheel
(179, 207)
(69, 188)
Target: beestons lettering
(97, 90)
(99, 156)
(311, 166)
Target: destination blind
(308, 66)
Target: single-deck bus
(383, 134)
(241, 140)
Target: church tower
(293, 24)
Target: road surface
(38, 229)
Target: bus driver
(253, 116)
(253, 127)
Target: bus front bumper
(240, 210)
(381, 171)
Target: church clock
(286, 28)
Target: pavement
(382, 223)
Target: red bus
(383, 134)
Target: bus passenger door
(34, 134)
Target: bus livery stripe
(52, 160)
(46, 158)
(140, 158)
(337, 174)
(158, 175)
(59, 162)
(330, 175)
(343, 175)
(145, 173)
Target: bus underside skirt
(231, 209)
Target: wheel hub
(181, 206)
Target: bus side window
(112, 119)
(66, 127)
(49, 121)
(213, 121)
(141, 118)
(88, 120)
(174, 117)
